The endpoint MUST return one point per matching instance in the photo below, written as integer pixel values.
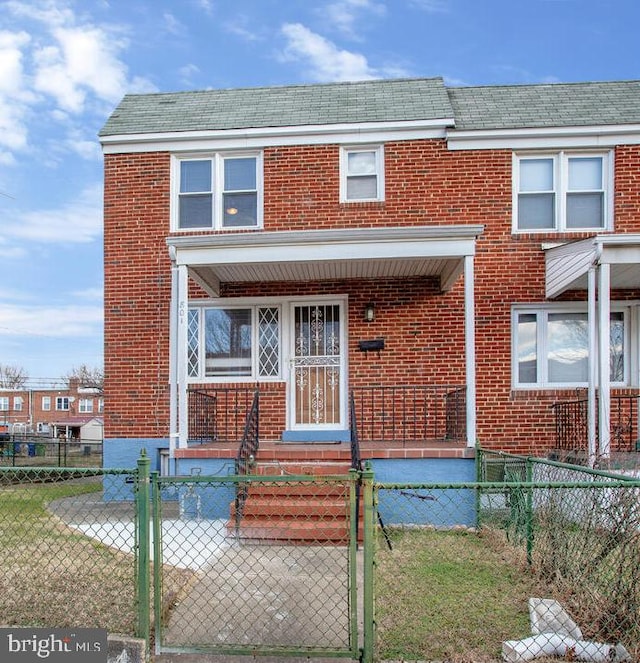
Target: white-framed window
(85, 405)
(4, 404)
(62, 402)
(101, 405)
(217, 191)
(551, 347)
(46, 403)
(18, 402)
(361, 174)
(563, 192)
(230, 342)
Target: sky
(65, 65)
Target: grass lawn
(452, 596)
(53, 576)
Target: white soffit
(567, 265)
(372, 253)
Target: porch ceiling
(364, 253)
(567, 265)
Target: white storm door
(317, 380)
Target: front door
(317, 379)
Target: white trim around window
(550, 345)
(362, 174)
(216, 191)
(233, 341)
(562, 191)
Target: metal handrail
(247, 454)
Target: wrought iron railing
(247, 454)
(410, 413)
(248, 451)
(356, 458)
(571, 424)
(202, 416)
(219, 414)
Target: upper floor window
(101, 405)
(4, 403)
(234, 342)
(17, 403)
(46, 402)
(216, 192)
(85, 405)
(62, 403)
(361, 174)
(551, 347)
(562, 192)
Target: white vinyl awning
(567, 265)
(318, 255)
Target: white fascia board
(395, 243)
(544, 138)
(365, 132)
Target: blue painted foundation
(441, 508)
(123, 453)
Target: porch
(572, 429)
(386, 422)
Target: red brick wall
(425, 184)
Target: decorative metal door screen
(317, 366)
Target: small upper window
(62, 403)
(46, 402)
(362, 174)
(222, 191)
(562, 192)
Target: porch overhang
(567, 265)
(319, 255)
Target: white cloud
(239, 27)
(61, 57)
(327, 62)
(78, 222)
(173, 25)
(83, 60)
(343, 14)
(89, 293)
(188, 74)
(71, 320)
(432, 6)
(206, 6)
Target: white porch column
(604, 373)
(470, 348)
(181, 355)
(593, 365)
(173, 363)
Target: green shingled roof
(336, 103)
(472, 108)
(551, 105)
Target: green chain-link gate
(270, 565)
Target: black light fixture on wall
(369, 312)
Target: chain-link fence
(271, 562)
(535, 559)
(34, 450)
(68, 548)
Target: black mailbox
(373, 345)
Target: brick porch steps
(296, 513)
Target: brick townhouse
(434, 267)
(50, 411)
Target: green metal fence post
(143, 513)
(368, 565)
(479, 479)
(529, 531)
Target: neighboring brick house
(487, 237)
(51, 411)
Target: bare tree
(87, 376)
(12, 377)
